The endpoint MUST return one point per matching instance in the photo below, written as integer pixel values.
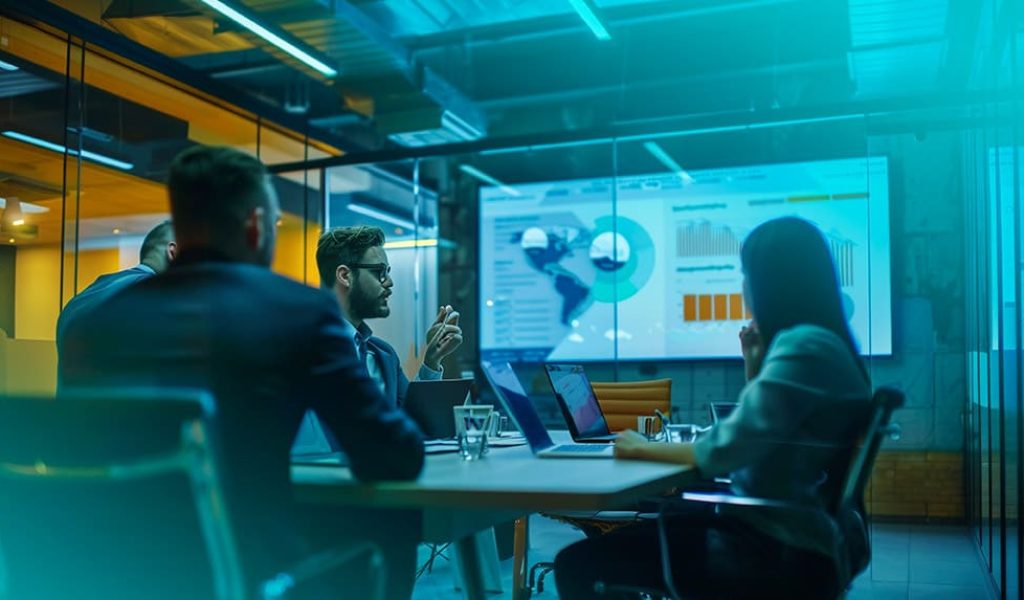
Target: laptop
(430, 403)
(721, 410)
(315, 445)
(575, 396)
(518, 405)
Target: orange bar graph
(689, 307)
(721, 307)
(714, 307)
(735, 307)
(705, 308)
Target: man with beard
(354, 265)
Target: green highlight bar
(815, 198)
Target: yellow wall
(36, 292)
(37, 286)
(288, 253)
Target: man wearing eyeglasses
(353, 263)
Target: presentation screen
(578, 271)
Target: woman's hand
(630, 444)
(752, 347)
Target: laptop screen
(312, 438)
(511, 393)
(576, 397)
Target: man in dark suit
(156, 254)
(354, 266)
(268, 349)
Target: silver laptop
(518, 405)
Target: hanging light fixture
(12, 213)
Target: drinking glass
(471, 425)
(686, 432)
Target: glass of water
(471, 425)
(686, 432)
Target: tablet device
(430, 403)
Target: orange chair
(622, 402)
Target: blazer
(96, 293)
(396, 384)
(268, 348)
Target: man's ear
(343, 276)
(254, 228)
(172, 250)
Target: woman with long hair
(782, 443)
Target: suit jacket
(95, 294)
(268, 348)
(396, 384)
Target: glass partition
(86, 139)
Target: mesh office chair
(115, 493)
(845, 493)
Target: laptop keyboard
(580, 448)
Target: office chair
(845, 504)
(116, 493)
(621, 403)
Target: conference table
(459, 498)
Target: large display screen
(576, 270)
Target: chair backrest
(113, 493)
(847, 507)
(885, 401)
(623, 402)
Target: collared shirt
(373, 362)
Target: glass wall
(85, 142)
(994, 168)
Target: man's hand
(630, 444)
(752, 347)
(443, 337)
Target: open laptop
(430, 403)
(575, 396)
(315, 445)
(512, 395)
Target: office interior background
(430, 118)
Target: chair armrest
(316, 565)
(720, 498)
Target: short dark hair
(212, 188)
(156, 240)
(344, 246)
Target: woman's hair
(791, 280)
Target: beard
(367, 305)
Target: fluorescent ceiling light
(381, 215)
(104, 160)
(272, 38)
(484, 177)
(26, 207)
(402, 244)
(13, 214)
(659, 153)
(586, 12)
(6, 66)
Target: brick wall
(919, 484)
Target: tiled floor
(911, 562)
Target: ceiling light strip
(272, 38)
(99, 158)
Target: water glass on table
(686, 432)
(472, 423)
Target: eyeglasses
(382, 270)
